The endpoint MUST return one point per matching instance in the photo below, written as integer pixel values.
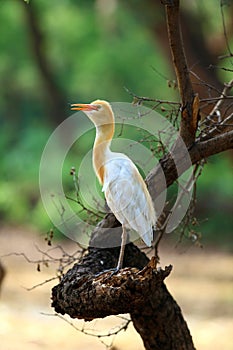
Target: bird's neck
(101, 150)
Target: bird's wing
(128, 198)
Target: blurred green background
(57, 52)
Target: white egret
(125, 191)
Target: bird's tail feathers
(147, 237)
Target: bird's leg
(123, 242)
(121, 256)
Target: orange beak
(83, 107)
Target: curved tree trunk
(137, 289)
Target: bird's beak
(83, 107)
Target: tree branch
(141, 293)
(177, 51)
(215, 145)
(198, 151)
(190, 102)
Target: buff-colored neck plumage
(104, 123)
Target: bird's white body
(127, 196)
(125, 191)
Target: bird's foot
(113, 271)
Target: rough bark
(165, 327)
(190, 106)
(135, 290)
(82, 298)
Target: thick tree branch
(177, 51)
(105, 294)
(215, 145)
(159, 315)
(190, 103)
(198, 151)
(141, 293)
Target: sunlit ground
(201, 283)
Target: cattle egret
(125, 191)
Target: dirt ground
(201, 283)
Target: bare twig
(139, 99)
(223, 96)
(167, 213)
(63, 261)
(222, 125)
(42, 283)
(205, 83)
(219, 127)
(216, 99)
(96, 333)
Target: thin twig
(219, 98)
(42, 283)
(204, 83)
(226, 89)
(139, 99)
(112, 332)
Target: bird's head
(98, 111)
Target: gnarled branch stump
(84, 292)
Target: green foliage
(215, 206)
(20, 156)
